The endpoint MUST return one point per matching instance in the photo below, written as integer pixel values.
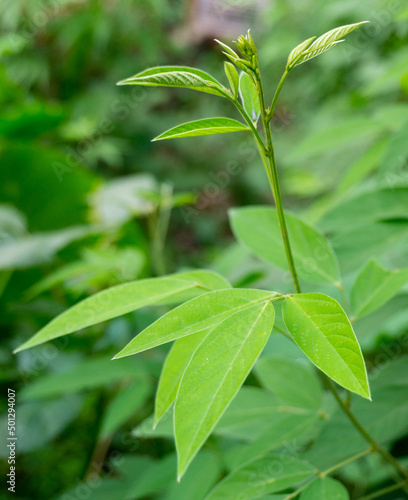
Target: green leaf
(357, 246)
(258, 229)
(249, 97)
(199, 479)
(375, 286)
(324, 42)
(233, 78)
(216, 371)
(228, 50)
(201, 314)
(364, 165)
(85, 376)
(322, 330)
(385, 418)
(370, 206)
(296, 53)
(284, 427)
(207, 126)
(325, 488)
(262, 476)
(177, 76)
(173, 369)
(123, 299)
(294, 382)
(123, 406)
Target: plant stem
(384, 491)
(348, 461)
(375, 446)
(274, 182)
(277, 92)
(326, 472)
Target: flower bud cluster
(247, 48)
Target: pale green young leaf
(173, 369)
(265, 475)
(227, 49)
(296, 52)
(325, 488)
(310, 54)
(294, 382)
(122, 299)
(206, 126)
(375, 286)
(177, 76)
(320, 327)
(201, 314)
(249, 97)
(258, 229)
(324, 42)
(233, 77)
(216, 371)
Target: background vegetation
(87, 201)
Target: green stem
(375, 446)
(348, 461)
(384, 491)
(277, 92)
(274, 182)
(326, 472)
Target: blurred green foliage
(87, 202)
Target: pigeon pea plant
(220, 331)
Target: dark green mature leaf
(84, 376)
(375, 286)
(201, 314)
(355, 247)
(262, 476)
(284, 427)
(173, 369)
(249, 97)
(125, 298)
(216, 371)
(207, 126)
(320, 45)
(198, 480)
(123, 406)
(176, 76)
(325, 488)
(294, 382)
(322, 330)
(385, 418)
(376, 205)
(258, 229)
